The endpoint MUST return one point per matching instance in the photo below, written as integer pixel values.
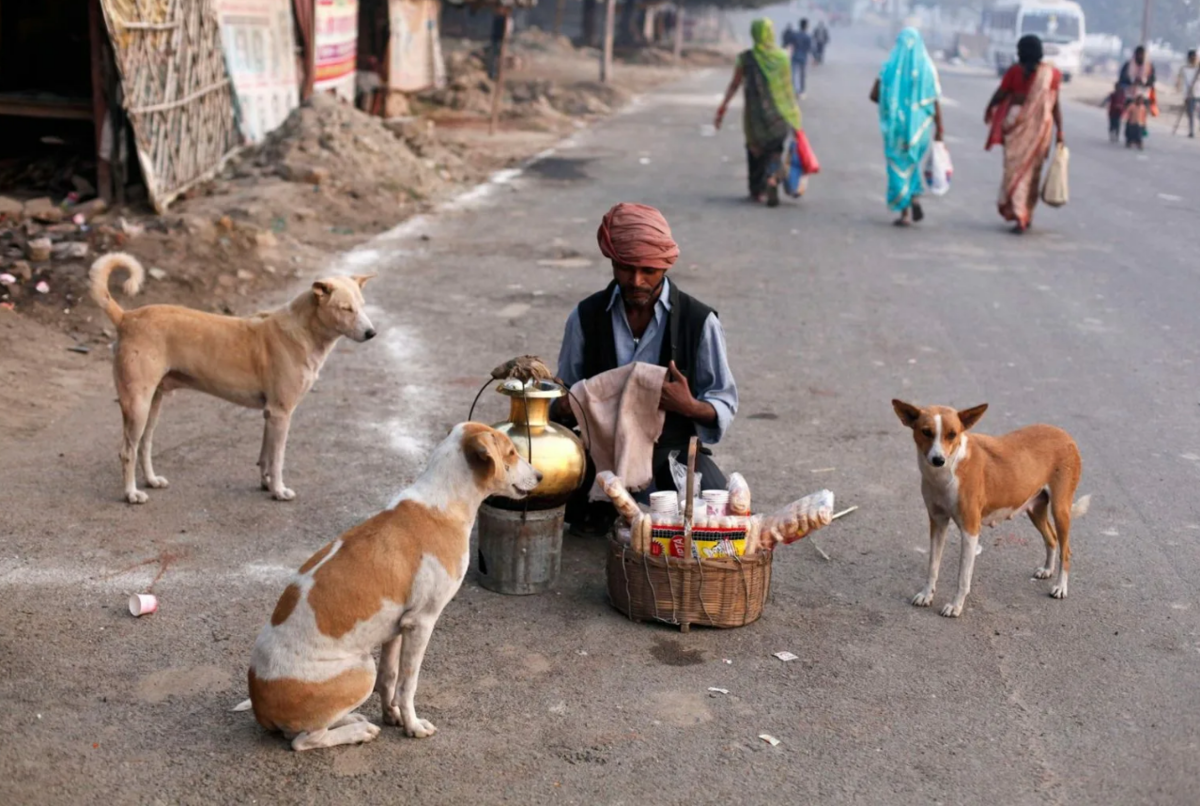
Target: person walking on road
(910, 115)
(771, 113)
(1023, 114)
(1185, 82)
(820, 41)
(1138, 78)
(801, 44)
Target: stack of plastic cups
(664, 505)
(717, 502)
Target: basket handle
(693, 445)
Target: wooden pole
(98, 35)
(610, 15)
(498, 87)
(1146, 26)
(678, 32)
(558, 16)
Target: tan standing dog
(384, 582)
(986, 480)
(268, 361)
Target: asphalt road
(1088, 322)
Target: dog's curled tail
(99, 273)
(1080, 507)
(244, 705)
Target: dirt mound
(328, 141)
(469, 90)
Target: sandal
(917, 213)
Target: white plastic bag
(939, 169)
(1055, 191)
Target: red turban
(637, 235)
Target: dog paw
(283, 494)
(370, 732)
(1059, 591)
(391, 716)
(157, 482)
(1042, 573)
(136, 497)
(421, 729)
(923, 599)
(952, 610)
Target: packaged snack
(615, 490)
(739, 495)
(797, 519)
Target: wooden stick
(693, 445)
(678, 46)
(844, 512)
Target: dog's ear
(362, 279)
(484, 456)
(968, 417)
(907, 412)
(322, 289)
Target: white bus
(1059, 24)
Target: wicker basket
(685, 591)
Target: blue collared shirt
(711, 381)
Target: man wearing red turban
(641, 316)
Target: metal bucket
(519, 552)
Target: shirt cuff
(712, 434)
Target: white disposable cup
(142, 604)
(717, 501)
(665, 502)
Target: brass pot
(556, 452)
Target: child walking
(1116, 108)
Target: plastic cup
(717, 501)
(142, 604)
(665, 502)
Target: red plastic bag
(808, 160)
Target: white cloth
(620, 420)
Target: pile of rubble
(468, 90)
(37, 236)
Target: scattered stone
(156, 273)
(43, 210)
(245, 274)
(38, 250)
(83, 187)
(266, 240)
(11, 208)
(42, 287)
(70, 250)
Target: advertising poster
(260, 54)
(336, 47)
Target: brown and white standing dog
(985, 480)
(384, 582)
(268, 361)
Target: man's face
(639, 285)
(1139, 55)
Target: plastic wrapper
(797, 520)
(615, 490)
(739, 495)
(640, 533)
(753, 533)
(679, 476)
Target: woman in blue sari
(910, 117)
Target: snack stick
(622, 500)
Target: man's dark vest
(681, 344)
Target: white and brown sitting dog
(384, 582)
(268, 361)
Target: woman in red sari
(1023, 114)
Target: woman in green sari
(772, 115)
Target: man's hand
(676, 394)
(720, 117)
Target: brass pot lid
(543, 389)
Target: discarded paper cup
(142, 604)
